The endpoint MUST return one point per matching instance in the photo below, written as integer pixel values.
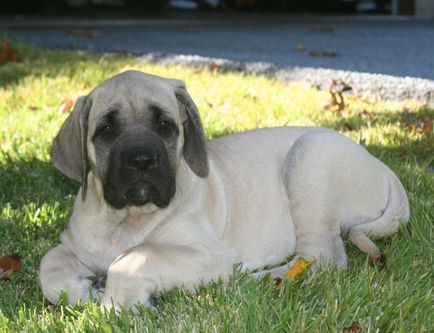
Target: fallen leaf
(427, 126)
(424, 128)
(336, 89)
(323, 54)
(8, 53)
(300, 266)
(277, 282)
(33, 107)
(299, 48)
(213, 67)
(84, 33)
(354, 328)
(8, 265)
(68, 104)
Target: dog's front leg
(147, 270)
(62, 271)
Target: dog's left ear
(194, 149)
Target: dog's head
(132, 130)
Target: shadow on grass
(402, 145)
(36, 203)
(40, 62)
(33, 181)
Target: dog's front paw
(98, 282)
(108, 304)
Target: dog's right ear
(69, 148)
(194, 149)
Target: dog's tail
(397, 212)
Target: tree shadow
(42, 62)
(36, 204)
(409, 142)
(33, 181)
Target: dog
(160, 207)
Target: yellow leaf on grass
(299, 267)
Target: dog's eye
(164, 124)
(107, 129)
(166, 128)
(105, 132)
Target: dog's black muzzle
(139, 172)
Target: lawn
(36, 202)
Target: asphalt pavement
(384, 48)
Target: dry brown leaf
(8, 265)
(300, 266)
(84, 33)
(424, 128)
(353, 328)
(277, 282)
(68, 104)
(33, 107)
(427, 126)
(323, 54)
(336, 89)
(213, 67)
(8, 53)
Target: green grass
(36, 201)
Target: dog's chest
(99, 246)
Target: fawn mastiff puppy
(160, 207)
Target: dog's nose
(143, 161)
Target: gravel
(375, 85)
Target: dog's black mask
(138, 172)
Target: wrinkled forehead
(133, 99)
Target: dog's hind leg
(360, 239)
(397, 211)
(331, 182)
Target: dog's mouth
(143, 193)
(137, 196)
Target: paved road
(400, 47)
